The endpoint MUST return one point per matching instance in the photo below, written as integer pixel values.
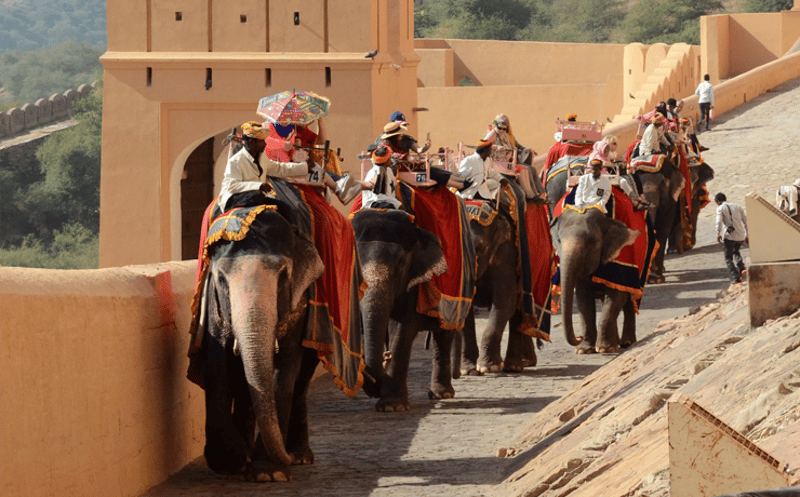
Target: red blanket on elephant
(335, 321)
(447, 296)
(562, 149)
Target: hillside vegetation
(33, 24)
(577, 21)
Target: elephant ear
(427, 259)
(616, 237)
(307, 267)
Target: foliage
(53, 210)
(767, 5)
(33, 24)
(576, 21)
(29, 76)
(74, 247)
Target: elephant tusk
(277, 347)
(236, 350)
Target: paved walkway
(448, 448)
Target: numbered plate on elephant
(315, 177)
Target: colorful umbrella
(291, 107)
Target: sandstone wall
(94, 395)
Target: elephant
(256, 371)
(396, 256)
(585, 240)
(497, 290)
(699, 174)
(662, 190)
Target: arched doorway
(197, 191)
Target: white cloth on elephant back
(385, 192)
(243, 174)
(592, 191)
(485, 180)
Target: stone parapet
(43, 111)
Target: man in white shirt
(477, 169)
(732, 232)
(242, 185)
(705, 93)
(786, 198)
(593, 189)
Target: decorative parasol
(291, 107)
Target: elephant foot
(302, 456)
(607, 349)
(656, 278)
(513, 368)
(392, 405)
(584, 348)
(267, 471)
(490, 367)
(471, 371)
(387, 359)
(441, 392)
(626, 343)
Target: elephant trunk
(568, 282)
(254, 326)
(376, 307)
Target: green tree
(666, 21)
(767, 5)
(472, 19)
(31, 75)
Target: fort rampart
(57, 107)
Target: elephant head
(256, 295)
(396, 256)
(584, 240)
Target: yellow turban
(255, 129)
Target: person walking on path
(732, 232)
(705, 92)
(786, 199)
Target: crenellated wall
(44, 111)
(94, 395)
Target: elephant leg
(394, 388)
(469, 354)
(297, 438)
(608, 341)
(455, 355)
(441, 374)
(226, 450)
(628, 324)
(520, 351)
(584, 295)
(504, 305)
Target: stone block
(59, 105)
(84, 90)
(45, 110)
(71, 96)
(5, 125)
(773, 290)
(17, 118)
(31, 116)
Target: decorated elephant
(684, 233)
(397, 256)
(502, 286)
(586, 240)
(256, 344)
(661, 187)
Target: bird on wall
(208, 84)
(371, 54)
